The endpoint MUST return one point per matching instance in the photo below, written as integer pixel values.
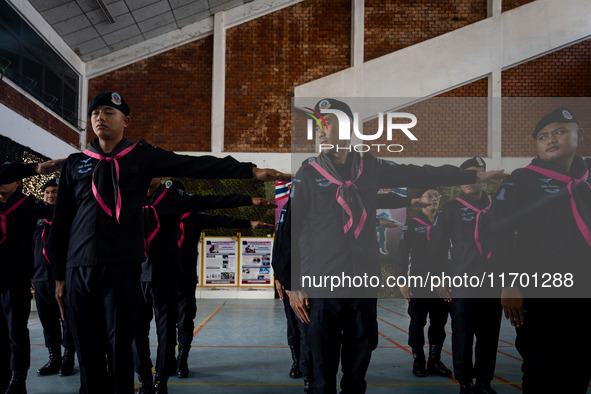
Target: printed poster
(199, 262)
(219, 262)
(255, 261)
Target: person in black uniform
(191, 226)
(97, 241)
(540, 222)
(161, 272)
(47, 306)
(463, 223)
(297, 330)
(18, 217)
(342, 240)
(414, 249)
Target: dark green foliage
(249, 187)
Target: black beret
(474, 162)
(424, 189)
(12, 172)
(559, 115)
(178, 185)
(50, 183)
(329, 103)
(112, 99)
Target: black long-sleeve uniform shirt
(533, 228)
(193, 224)
(316, 212)
(281, 260)
(414, 244)
(42, 267)
(82, 234)
(164, 255)
(454, 232)
(16, 252)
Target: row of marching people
(102, 228)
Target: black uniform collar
(480, 204)
(17, 195)
(424, 218)
(577, 169)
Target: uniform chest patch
(323, 182)
(467, 214)
(548, 187)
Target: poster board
(220, 264)
(255, 262)
(199, 262)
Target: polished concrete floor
(240, 347)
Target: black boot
(418, 365)
(295, 372)
(67, 366)
(467, 387)
(146, 383)
(434, 365)
(483, 388)
(182, 364)
(53, 365)
(17, 384)
(160, 384)
(308, 384)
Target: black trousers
(15, 345)
(102, 315)
(297, 337)
(187, 311)
(480, 318)
(162, 297)
(345, 330)
(55, 330)
(418, 310)
(554, 345)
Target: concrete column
(494, 142)
(82, 109)
(218, 91)
(357, 32)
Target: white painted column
(357, 43)
(494, 142)
(82, 109)
(357, 32)
(218, 88)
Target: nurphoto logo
(345, 129)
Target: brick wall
(508, 5)
(537, 87)
(268, 57)
(23, 106)
(397, 24)
(169, 95)
(453, 124)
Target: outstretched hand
(263, 202)
(269, 174)
(417, 202)
(49, 166)
(494, 176)
(260, 225)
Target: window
(27, 60)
